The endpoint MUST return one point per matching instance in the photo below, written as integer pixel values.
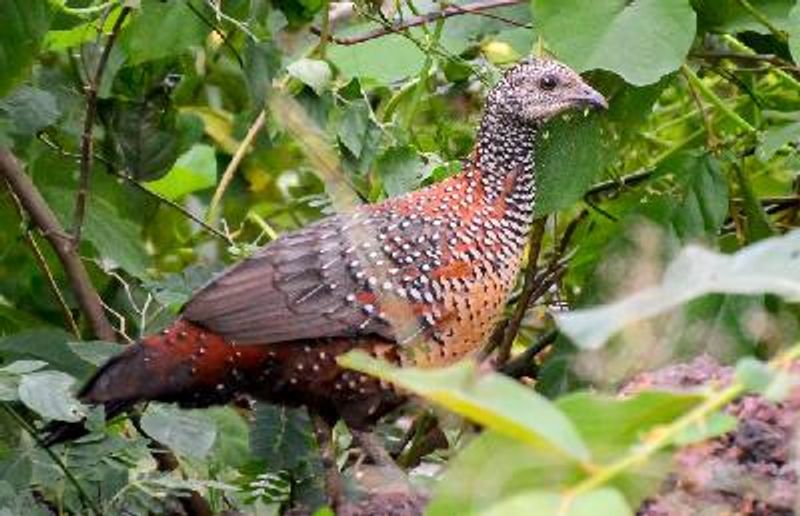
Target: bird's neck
(504, 159)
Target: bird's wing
(301, 286)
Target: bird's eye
(548, 83)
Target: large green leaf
(282, 437)
(51, 346)
(794, 32)
(400, 170)
(569, 156)
(769, 266)
(195, 170)
(641, 41)
(491, 399)
(159, 30)
(24, 23)
(115, 237)
(49, 393)
(494, 467)
(369, 59)
(190, 433)
(548, 503)
(30, 109)
(612, 425)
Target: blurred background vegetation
(188, 172)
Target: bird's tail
(184, 364)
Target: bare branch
(41, 214)
(447, 12)
(87, 141)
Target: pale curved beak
(592, 98)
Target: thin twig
(42, 263)
(230, 170)
(113, 169)
(711, 139)
(415, 21)
(87, 140)
(43, 216)
(524, 364)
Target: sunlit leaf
(547, 503)
(195, 170)
(314, 73)
(491, 399)
(770, 266)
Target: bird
(418, 280)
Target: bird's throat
(505, 161)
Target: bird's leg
(334, 485)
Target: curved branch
(447, 12)
(41, 214)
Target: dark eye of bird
(548, 82)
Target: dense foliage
(214, 126)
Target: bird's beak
(592, 98)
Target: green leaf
(769, 266)
(50, 346)
(49, 394)
(145, 134)
(159, 30)
(116, 237)
(603, 501)
(369, 59)
(775, 137)
(613, 425)
(712, 426)
(493, 467)
(24, 23)
(400, 170)
(794, 32)
(641, 41)
(547, 503)
(491, 399)
(569, 156)
(190, 433)
(30, 109)
(312, 72)
(195, 170)
(352, 130)
(759, 378)
(282, 437)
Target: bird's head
(536, 90)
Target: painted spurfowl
(418, 280)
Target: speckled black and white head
(536, 90)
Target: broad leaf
(491, 399)
(641, 41)
(769, 266)
(49, 394)
(312, 72)
(50, 346)
(159, 30)
(494, 467)
(24, 23)
(549, 503)
(195, 170)
(190, 433)
(30, 109)
(400, 170)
